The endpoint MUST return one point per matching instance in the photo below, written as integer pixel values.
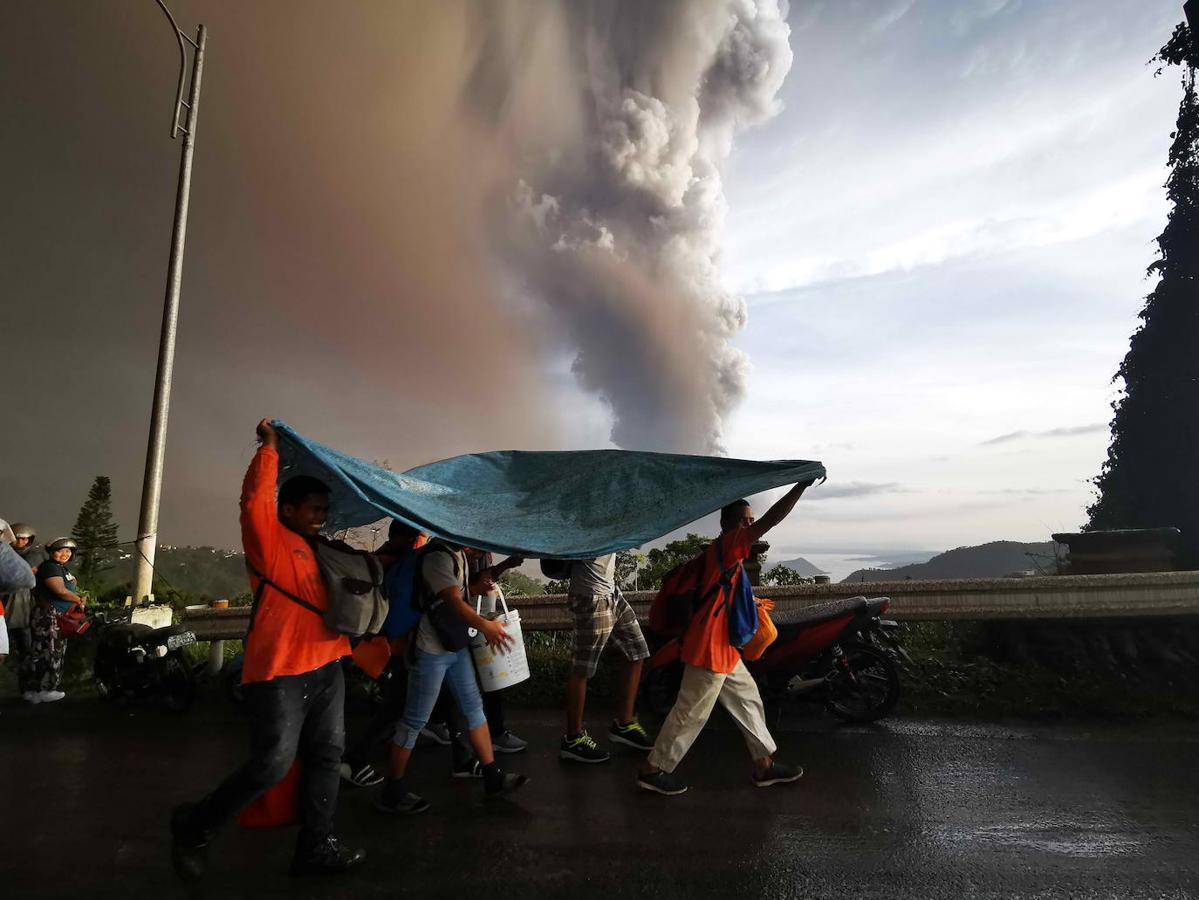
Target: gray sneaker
(507, 742)
(437, 732)
(408, 805)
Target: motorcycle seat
(816, 615)
(125, 634)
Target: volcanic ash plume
(619, 116)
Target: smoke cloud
(620, 205)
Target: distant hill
(994, 560)
(800, 565)
(206, 571)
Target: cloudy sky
(941, 239)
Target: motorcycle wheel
(867, 689)
(660, 689)
(178, 684)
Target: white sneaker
(49, 696)
(32, 696)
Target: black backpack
(556, 569)
(453, 633)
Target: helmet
(24, 529)
(62, 543)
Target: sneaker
(470, 769)
(582, 749)
(328, 857)
(631, 735)
(507, 742)
(363, 776)
(49, 696)
(189, 851)
(32, 697)
(779, 773)
(508, 783)
(408, 805)
(437, 732)
(661, 783)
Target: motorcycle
(137, 663)
(842, 653)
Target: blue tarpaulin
(569, 504)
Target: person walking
(292, 677)
(41, 666)
(502, 738)
(441, 655)
(15, 575)
(601, 613)
(713, 670)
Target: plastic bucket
(501, 669)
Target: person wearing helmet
(19, 603)
(15, 574)
(41, 668)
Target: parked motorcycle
(842, 653)
(136, 663)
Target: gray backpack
(354, 581)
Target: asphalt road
(903, 809)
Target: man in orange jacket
(292, 677)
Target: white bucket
(504, 668)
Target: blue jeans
(425, 678)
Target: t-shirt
(286, 638)
(439, 574)
(593, 577)
(706, 641)
(52, 569)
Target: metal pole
(147, 528)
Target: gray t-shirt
(437, 569)
(593, 577)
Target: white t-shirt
(593, 577)
(437, 570)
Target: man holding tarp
(713, 670)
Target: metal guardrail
(1152, 594)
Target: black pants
(383, 723)
(290, 716)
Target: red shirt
(286, 639)
(706, 641)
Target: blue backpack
(743, 611)
(403, 612)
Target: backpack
(354, 582)
(556, 569)
(453, 633)
(404, 611)
(679, 599)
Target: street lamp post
(185, 110)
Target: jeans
(290, 716)
(428, 672)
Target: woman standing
(41, 668)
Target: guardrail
(1055, 597)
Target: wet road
(904, 809)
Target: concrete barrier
(1056, 597)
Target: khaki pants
(737, 692)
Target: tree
(661, 560)
(783, 576)
(628, 562)
(517, 584)
(95, 532)
(1149, 477)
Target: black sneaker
(363, 776)
(778, 773)
(189, 850)
(328, 857)
(470, 769)
(508, 783)
(582, 749)
(407, 805)
(631, 735)
(661, 783)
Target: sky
(940, 235)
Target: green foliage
(95, 532)
(1148, 479)
(661, 560)
(208, 573)
(628, 562)
(517, 584)
(782, 576)
(557, 586)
